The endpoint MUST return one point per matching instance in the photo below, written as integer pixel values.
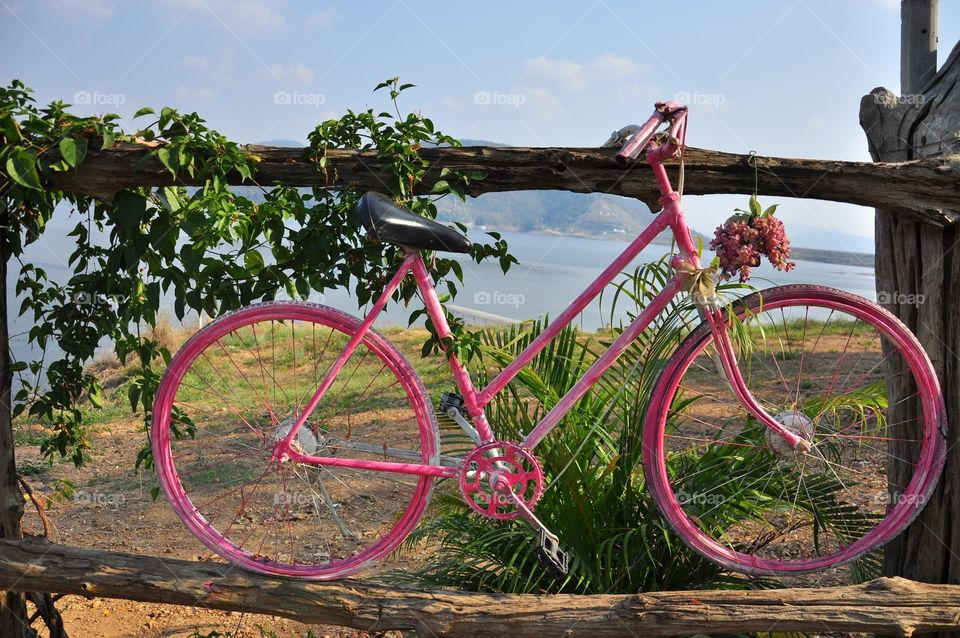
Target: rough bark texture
(925, 190)
(12, 605)
(918, 269)
(918, 44)
(889, 605)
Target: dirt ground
(111, 509)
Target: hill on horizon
(602, 215)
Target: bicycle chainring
(494, 462)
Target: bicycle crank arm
(548, 552)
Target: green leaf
(10, 129)
(244, 170)
(108, 139)
(96, 397)
(755, 206)
(133, 394)
(442, 186)
(771, 210)
(73, 150)
(168, 158)
(144, 111)
(129, 210)
(253, 261)
(154, 493)
(22, 168)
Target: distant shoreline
(840, 257)
(863, 260)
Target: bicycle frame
(671, 216)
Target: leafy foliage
(595, 500)
(211, 248)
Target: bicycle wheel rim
(898, 514)
(396, 519)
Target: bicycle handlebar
(670, 112)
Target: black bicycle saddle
(398, 225)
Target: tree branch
(924, 189)
(889, 605)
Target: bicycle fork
(730, 370)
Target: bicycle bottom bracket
(492, 469)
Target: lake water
(553, 270)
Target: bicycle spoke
(239, 397)
(818, 369)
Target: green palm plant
(595, 498)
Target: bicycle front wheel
(835, 369)
(236, 388)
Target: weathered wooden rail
(887, 605)
(925, 189)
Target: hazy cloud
(545, 104)
(96, 10)
(569, 72)
(614, 65)
(195, 61)
(298, 73)
(242, 17)
(322, 19)
(194, 94)
(576, 75)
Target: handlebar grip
(639, 140)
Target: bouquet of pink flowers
(742, 239)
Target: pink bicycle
(293, 439)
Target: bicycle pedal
(548, 552)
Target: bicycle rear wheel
(236, 388)
(835, 369)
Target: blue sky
(780, 78)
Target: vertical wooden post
(918, 44)
(13, 614)
(918, 267)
